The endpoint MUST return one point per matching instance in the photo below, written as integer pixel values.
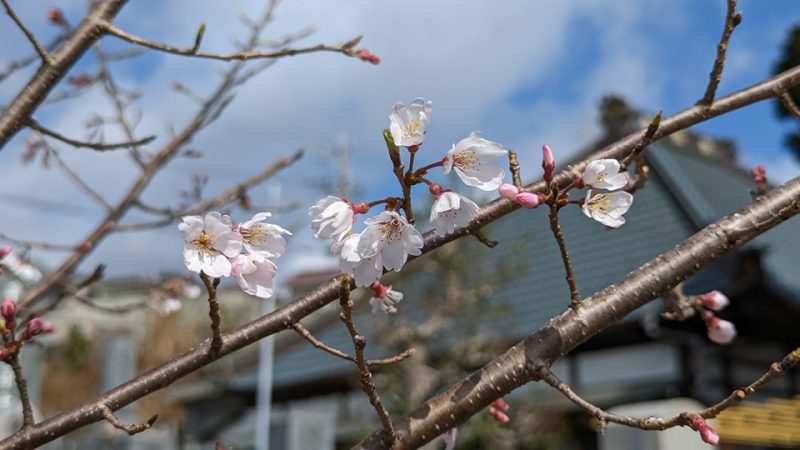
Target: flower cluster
(606, 208)
(33, 327)
(218, 248)
(389, 237)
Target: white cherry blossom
(384, 298)
(254, 273)
(390, 235)
(210, 241)
(332, 218)
(604, 174)
(365, 270)
(451, 211)
(408, 123)
(607, 208)
(471, 158)
(264, 238)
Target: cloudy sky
(522, 72)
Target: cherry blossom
(254, 273)
(471, 158)
(408, 123)
(264, 238)
(604, 174)
(210, 241)
(714, 300)
(607, 208)
(529, 199)
(332, 218)
(384, 298)
(497, 409)
(365, 270)
(390, 235)
(451, 211)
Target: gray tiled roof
(685, 192)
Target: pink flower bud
(4, 251)
(35, 327)
(500, 404)
(707, 434)
(714, 300)
(548, 163)
(55, 16)
(435, 189)
(85, 247)
(4, 353)
(8, 309)
(719, 330)
(379, 290)
(529, 200)
(759, 174)
(366, 56)
(360, 208)
(509, 191)
(499, 416)
(79, 80)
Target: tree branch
(344, 48)
(36, 126)
(46, 59)
(31, 96)
(303, 331)
(22, 387)
(131, 429)
(732, 19)
(282, 318)
(521, 363)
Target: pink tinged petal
(714, 300)
(528, 200)
(509, 191)
(191, 226)
(259, 281)
(721, 331)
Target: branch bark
(62, 59)
(524, 362)
(283, 318)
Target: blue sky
(522, 72)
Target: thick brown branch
(22, 387)
(36, 126)
(732, 19)
(131, 429)
(522, 362)
(31, 96)
(344, 48)
(46, 59)
(359, 343)
(438, 410)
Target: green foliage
(77, 349)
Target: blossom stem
(423, 170)
(359, 343)
(213, 313)
(555, 227)
(513, 166)
(22, 386)
(398, 168)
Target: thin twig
(22, 387)
(555, 227)
(108, 308)
(344, 48)
(131, 429)
(359, 343)
(484, 240)
(27, 60)
(37, 244)
(46, 59)
(213, 313)
(36, 126)
(732, 19)
(653, 423)
(303, 331)
(80, 182)
(513, 166)
(789, 104)
(647, 138)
